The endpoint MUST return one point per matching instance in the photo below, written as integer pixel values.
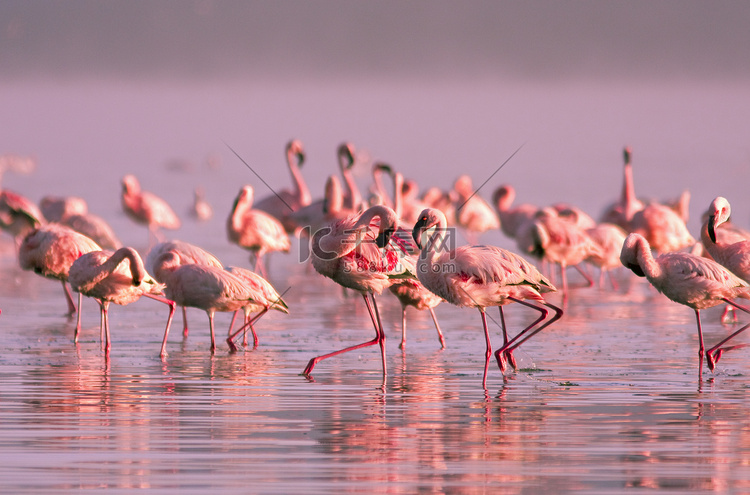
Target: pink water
(606, 400)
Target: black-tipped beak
(711, 228)
(637, 270)
(300, 158)
(416, 232)
(382, 239)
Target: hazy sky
(363, 39)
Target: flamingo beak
(416, 233)
(711, 228)
(383, 237)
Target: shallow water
(606, 400)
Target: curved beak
(416, 232)
(383, 237)
(711, 228)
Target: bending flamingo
(348, 251)
(208, 288)
(690, 280)
(186, 254)
(117, 277)
(255, 230)
(479, 277)
(18, 214)
(146, 208)
(74, 212)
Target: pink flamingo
(74, 212)
(664, 230)
(117, 277)
(479, 277)
(146, 208)
(208, 288)
(201, 209)
(49, 251)
(264, 299)
(622, 211)
(610, 238)
(732, 253)
(348, 251)
(473, 213)
(187, 254)
(255, 230)
(690, 280)
(410, 292)
(558, 241)
(445, 201)
(318, 214)
(18, 214)
(346, 157)
(511, 217)
(285, 202)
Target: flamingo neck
(300, 186)
(629, 200)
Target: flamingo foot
(232, 345)
(308, 369)
(713, 357)
(511, 360)
(500, 360)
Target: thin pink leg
(437, 327)
(378, 337)
(250, 322)
(488, 351)
(402, 345)
(530, 330)
(69, 299)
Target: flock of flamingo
(402, 242)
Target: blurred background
(94, 90)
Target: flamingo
(255, 230)
(732, 253)
(264, 299)
(690, 280)
(434, 197)
(201, 209)
(187, 253)
(479, 277)
(664, 230)
(146, 208)
(117, 277)
(557, 240)
(282, 204)
(473, 213)
(410, 292)
(49, 251)
(346, 158)
(73, 212)
(622, 211)
(318, 214)
(348, 251)
(208, 288)
(609, 238)
(18, 214)
(511, 218)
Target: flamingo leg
(172, 308)
(488, 352)
(249, 323)
(231, 323)
(701, 348)
(69, 299)
(714, 354)
(78, 319)
(437, 327)
(105, 312)
(529, 331)
(381, 332)
(588, 278)
(378, 337)
(184, 322)
(507, 354)
(402, 345)
(211, 326)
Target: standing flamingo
(208, 288)
(348, 251)
(558, 241)
(511, 217)
(49, 251)
(610, 238)
(201, 209)
(690, 280)
(264, 299)
(622, 211)
(730, 252)
(479, 277)
(186, 253)
(255, 230)
(473, 213)
(346, 157)
(117, 277)
(146, 208)
(283, 203)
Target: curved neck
(355, 198)
(629, 200)
(300, 186)
(398, 194)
